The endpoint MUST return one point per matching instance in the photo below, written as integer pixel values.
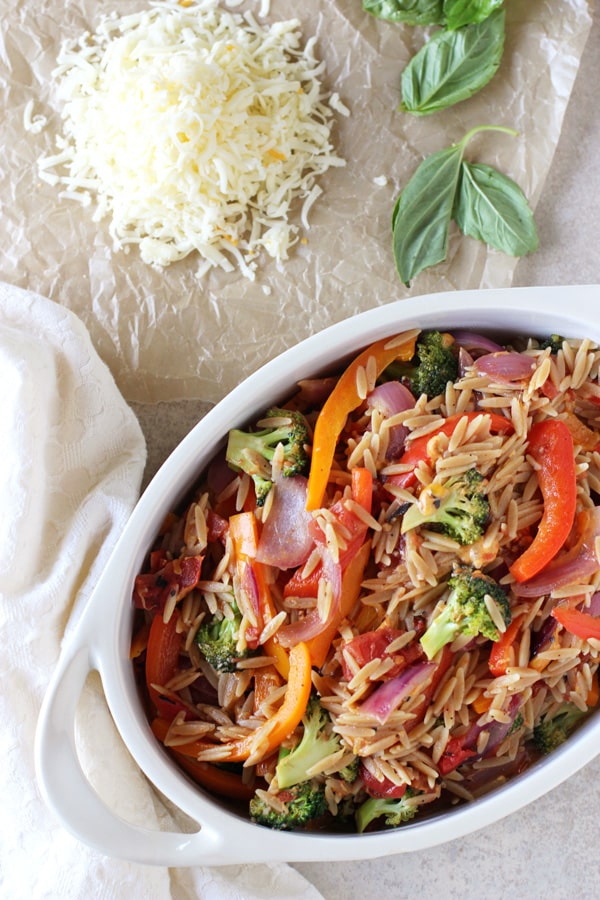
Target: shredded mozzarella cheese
(194, 129)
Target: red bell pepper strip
(318, 646)
(385, 788)
(454, 755)
(499, 658)
(362, 488)
(343, 400)
(579, 623)
(371, 645)
(551, 446)
(162, 659)
(151, 590)
(417, 451)
(299, 585)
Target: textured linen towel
(71, 460)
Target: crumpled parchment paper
(167, 335)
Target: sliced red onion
(312, 624)
(480, 781)
(497, 731)
(505, 366)
(314, 391)
(542, 639)
(465, 360)
(387, 698)
(594, 606)
(219, 474)
(390, 398)
(285, 540)
(473, 342)
(250, 586)
(573, 567)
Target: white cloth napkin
(71, 460)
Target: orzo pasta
(383, 598)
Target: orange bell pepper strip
(593, 694)
(417, 453)
(318, 646)
(266, 680)
(268, 736)
(500, 654)
(551, 446)
(243, 528)
(482, 703)
(218, 781)
(579, 623)
(343, 400)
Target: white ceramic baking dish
(102, 637)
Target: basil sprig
(449, 13)
(458, 13)
(485, 204)
(453, 65)
(411, 12)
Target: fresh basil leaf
(458, 13)
(492, 208)
(411, 12)
(453, 65)
(423, 213)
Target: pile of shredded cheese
(194, 129)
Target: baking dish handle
(71, 797)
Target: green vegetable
(317, 742)
(395, 811)
(434, 364)
(451, 13)
(549, 734)
(493, 209)
(466, 12)
(466, 611)
(411, 12)
(217, 639)
(456, 507)
(303, 803)
(554, 342)
(453, 65)
(252, 452)
(434, 195)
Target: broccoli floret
(252, 451)
(303, 803)
(458, 508)
(349, 773)
(431, 368)
(549, 734)
(217, 639)
(395, 811)
(554, 342)
(316, 743)
(465, 611)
